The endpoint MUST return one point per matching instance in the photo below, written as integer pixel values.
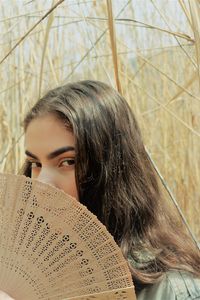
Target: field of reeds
(148, 50)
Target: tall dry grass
(149, 50)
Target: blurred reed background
(149, 50)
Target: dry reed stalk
(98, 39)
(177, 94)
(48, 27)
(172, 197)
(168, 31)
(186, 87)
(169, 26)
(195, 16)
(174, 115)
(29, 31)
(169, 78)
(111, 26)
(94, 46)
(157, 76)
(186, 11)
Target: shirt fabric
(176, 285)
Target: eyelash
(70, 161)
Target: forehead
(46, 133)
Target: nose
(46, 176)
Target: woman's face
(50, 148)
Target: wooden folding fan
(52, 247)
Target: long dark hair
(116, 180)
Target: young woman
(83, 138)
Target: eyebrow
(52, 154)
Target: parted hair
(116, 180)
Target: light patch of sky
(162, 14)
(74, 31)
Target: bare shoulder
(176, 285)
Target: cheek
(35, 172)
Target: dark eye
(67, 162)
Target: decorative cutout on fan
(52, 247)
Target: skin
(4, 296)
(50, 148)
